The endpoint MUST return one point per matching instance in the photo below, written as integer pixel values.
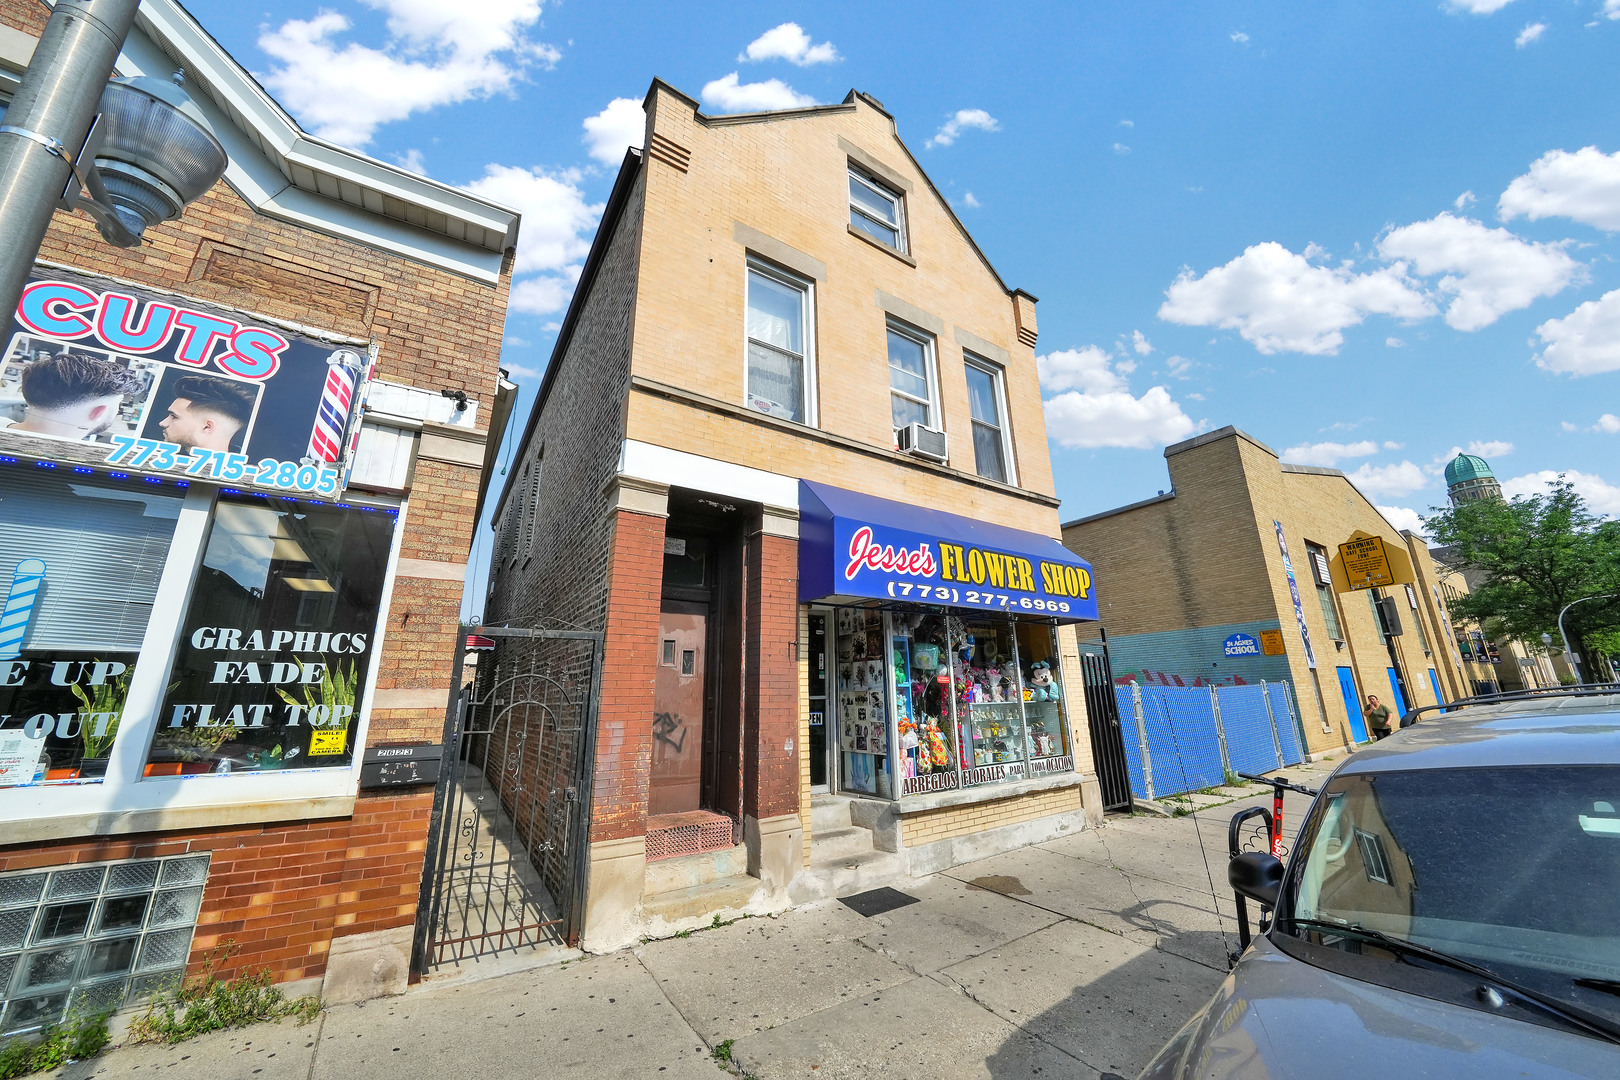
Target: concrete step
(691, 908)
(828, 812)
(830, 844)
(847, 875)
(687, 871)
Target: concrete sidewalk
(1066, 959)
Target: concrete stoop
(843, 857)
(666, 914)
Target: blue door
(1434, 681)
(1352, 704)
(1400, 702)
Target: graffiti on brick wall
(1195, 657)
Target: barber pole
(26, 580)
(332, 418)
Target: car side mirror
(1257, 875)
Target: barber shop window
(780, 362)
(81, 555)
(277, 639)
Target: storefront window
(81, 555)
(277, 639)
(864, 672)
(989, 696)
(1046, 727)
(925, 704)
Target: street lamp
(1575, 657)
(130, 152)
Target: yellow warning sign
(1271, 643)
(1366, 564)
(328, 742)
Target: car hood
(1280, 1018)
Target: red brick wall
(281, 891)
(771, 674)
(629, 665)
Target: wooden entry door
(680, 708)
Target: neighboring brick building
(1194, 589)
(773, 726)
(202, 657)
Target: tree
(1535, 555)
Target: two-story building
(236, 505)
(789, 455)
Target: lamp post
(129, 152)
(1575, 657)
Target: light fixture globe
(158, 152)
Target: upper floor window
(991, 453)
(876, 211)
(779, 359)
(913, 395)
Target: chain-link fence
(1185, 738)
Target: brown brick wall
(771, 690)
(280, 892)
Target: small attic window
(876, 210)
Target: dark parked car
(1451, 909)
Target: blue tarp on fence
(1183, 736)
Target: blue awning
(855, 547)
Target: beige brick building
(783, 334)
(1184, 572)
(212, 645)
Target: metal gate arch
(507, 847)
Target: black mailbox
(400, 766)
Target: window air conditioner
(923, 442)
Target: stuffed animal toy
(1040, 681)
(937, 754)
(992, 684)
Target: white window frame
(998, 384)
(155, 803)
(807, 290)
(902, 242)
(936, 415)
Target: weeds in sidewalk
(722, 1052)
(82, 1038)
(208, 1003)
(689, 931)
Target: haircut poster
(154, 382)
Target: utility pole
(45, 127)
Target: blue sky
(1367, 234)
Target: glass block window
(79, 940)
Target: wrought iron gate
(507, 850)
(1102, 716)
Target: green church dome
(1466, 467)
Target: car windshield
(1515, 869)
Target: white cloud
(1140, 343)
(1093, 406)
(1121, 148)
(1477, 7)
(1567, 426)
(1488, 449)
(1611, 9)
(729, 95)
(1132, 123)
(789, 42)
(1240, 37)
(1394, 343)
(515, 342)
(541, 295)
(1088, 370)
(1488, 272)
(1390, 445)
(1463, 200)
(960, 121)
(1404, 518)
(523, 371)
(1180, 367)
(1280, 302)
(1608, 423)
(1584, 342)
(1328, 454)
(1583, 186)
(436, 53)
(969, 201)
(1377, 481)
(618, 127)
(556, 217)
(1079, 420)
(411, 160)
(1530, 33)
(1601, 495)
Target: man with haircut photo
(207, 413)
(72, 395)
